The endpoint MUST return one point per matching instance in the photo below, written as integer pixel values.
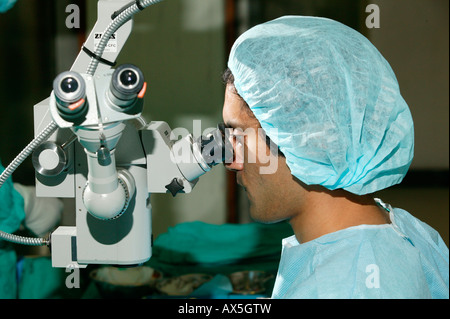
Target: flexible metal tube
(11, 168)
(29, 241)
(43, 136)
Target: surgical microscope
(92, 144)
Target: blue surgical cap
(330, 101)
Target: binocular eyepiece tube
(70, 94)
(215, 146)
(123, 92)
(126, 83)
(205, 152)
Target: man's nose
(234, 166)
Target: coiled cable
(29, 241)
(44, 135)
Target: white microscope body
(118, 160)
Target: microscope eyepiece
(215, 147)
(207, 151)
(127, 81)
(125, 88)
(69, 89)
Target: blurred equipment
(5, 5)
(249, 281)
(113, 282)
(182, 285)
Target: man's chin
(262, 218)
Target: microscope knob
(175, 186)
(104, 156)
(49, 159)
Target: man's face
(262, 173)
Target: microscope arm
(105, 9)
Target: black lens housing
(126, 82)
(215, 147)
(69, 88)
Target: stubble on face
(266, 192)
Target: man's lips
(244, 186)
(239, 180)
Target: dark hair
(228, 77)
